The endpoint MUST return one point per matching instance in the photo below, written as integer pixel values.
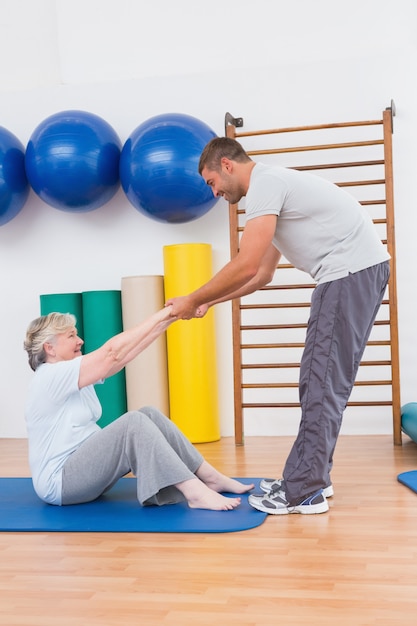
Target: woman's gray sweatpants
(342, 315)
(143, 442)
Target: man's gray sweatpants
(341, 319)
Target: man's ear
(227, 165)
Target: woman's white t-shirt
(59, 417)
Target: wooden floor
(354, 566)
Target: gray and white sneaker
(275, 503)
(275, 484)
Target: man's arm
(241, 275)
(263, 277)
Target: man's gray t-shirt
(321, 229)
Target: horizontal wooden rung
(274, 346)
(376, 363)
(294, 286)
(294, 405)
(296, 344)
(252, 366)
(267, 327)
(371, 403)
(331, 166)
(270, 405)
(325, 146)
(359, 183)
(373, 383)
(372, 202)
(289, 385)
(294, 129)
(289, 305)
(272, 326)
(269, 385)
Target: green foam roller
(102, 318)
(64, 303)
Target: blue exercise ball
(14, 186)
(159, 168)
(409, 420)
(72, 161)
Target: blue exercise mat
(409, 479)
(117, 511)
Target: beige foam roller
(147, 374)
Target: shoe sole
(310, 509)
(328, 492)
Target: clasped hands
(184, 308)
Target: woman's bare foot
(219, 482)
(200, 496)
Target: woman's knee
(154, 415)
(147, 422)
(131, 421)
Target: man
(324, 231)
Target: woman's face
(66, 346)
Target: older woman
(72, 459)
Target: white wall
(273, 62)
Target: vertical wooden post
(392, 285)
(237, 357)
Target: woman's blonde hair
(43, 330)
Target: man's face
(224, 183)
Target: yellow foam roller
(191, 347)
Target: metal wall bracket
(393, 113)
(229, 120)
